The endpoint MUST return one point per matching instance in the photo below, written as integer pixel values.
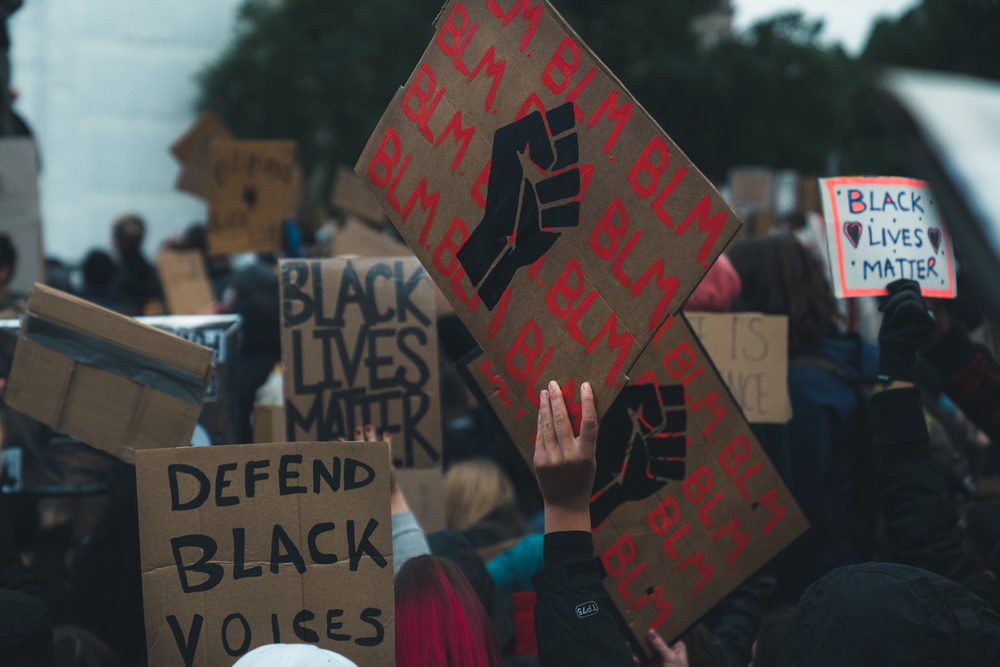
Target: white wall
(107, 86)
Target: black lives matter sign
(359, 346)
(257, 544)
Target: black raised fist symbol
(641, 445)
(533, 178)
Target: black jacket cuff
(899, 430)
(567, 545)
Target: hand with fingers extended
(667, 656)
(397, 501)
(565, 463)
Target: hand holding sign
(906, 323)
(496, 250)
(564, 463)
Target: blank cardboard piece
(424, 492)
(750, 352)
(193, 151)
(254, 189)
(648, 223)
(352, 196)
(268, 423)
(185, 281)
(20, 215)
(883, 228)
(104, 378)
(357, 238)
(359, 346)
(277, 539)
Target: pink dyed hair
(439, 619)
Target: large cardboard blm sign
(880, 229)
(750, 352)
(359, 346)
(104, 378)
(565, 228)
(253, 191)
(257, 544)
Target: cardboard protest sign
(185, 281)
(424, 491)
(880, 229)
(359, 346)
(194, 152)
(514, 163)
(750, 352)
(352, 196)
(357, 238)
(20, 216)
(254, 189)
(268, 423)
(104, 378)
(257, 544)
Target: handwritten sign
(253, 191)
(352, 197)
(881, 229)
(359, 346)
(194, 152)
(750, 352)
(565, 228)
(257, 544)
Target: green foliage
(319, 72)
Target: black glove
(906, 323)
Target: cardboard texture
(565, 228)
(194, 152)
(123, 386)
(359, 346)
(750, 352)
(424, 492)
(880, 229)
(268, 423)
(223, 335)
(626, 224)
(752, 195)
(185, 282)
(20, 217)
(254, 189)
(256, 544)
(357, 238)
(352, 196)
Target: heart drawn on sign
(934, 234)
(853, 231)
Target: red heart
(853, 232)
(934, 234)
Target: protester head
(892, 615)
(781, 277)
(982, 533)
(771, 647)
(717, 290)
(129, 230)
(292, 655)
(98, 271)
(8, 260)
(473, 490)
(439, 619)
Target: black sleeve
(921, 523)
(574, 624)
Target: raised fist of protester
(564, 462)
(397, 501)
(906, 324)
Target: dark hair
(781, 277)
(772, 639)
(129, 231)
(98, 270)
(701, 648)
(8, 255)
(439, 619)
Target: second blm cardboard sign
(257, 544)
(359, 346)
